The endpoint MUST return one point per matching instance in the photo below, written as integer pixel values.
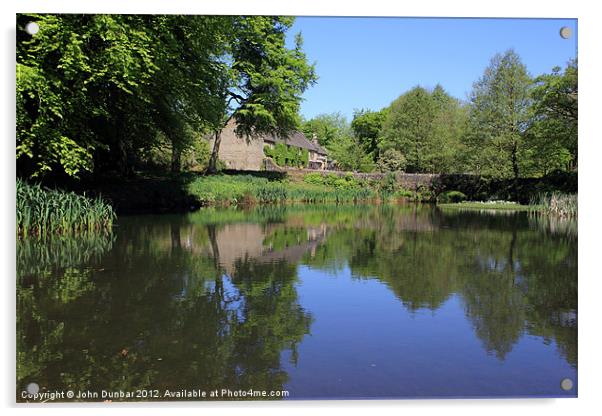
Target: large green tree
(366, 127)
(425, 127)
(499, 116)
(551, 138)
(326, 128)
(95, 92)
(266, 80)
(345, 148)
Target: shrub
(451, 197)
(404, 193)
(391, 160)
(314, 179)
(388, 184)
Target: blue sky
(368, 62)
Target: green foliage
(388, 184)
(98, 92)
(551, 139)
(285, 155)
(314, 178)
(266, 79)
(304, 158)
(499, 115)
(42, 212)
(367, 126)
(326, 128)
(451, 197)
(392, 160)
(349, 155)
(424, 129)
(331, 179)
(242, 189)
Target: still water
(318, 301)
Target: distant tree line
(100, 93)
(512, 126)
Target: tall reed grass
(556, 203)
(42, 212)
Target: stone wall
(476, 188)
(409, 181)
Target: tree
(266, 80)
(94, 91)
(349, 154)
(366, 127)
(334, 132)
(187, 89)
(326, 128)
(499, 117)
(551, 138)
(425, 127)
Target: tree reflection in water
(209, 300)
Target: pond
(303, 302)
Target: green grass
(498, 205)
(42, 212)
(249, 189)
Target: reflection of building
(247, 241)
(246, 153)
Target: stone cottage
(246, 153)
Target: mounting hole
(565, 32)
(32, 28)
(566, 384)
(33, 388)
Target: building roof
(296, 139)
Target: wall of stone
(476, 188)
(239, 153)
(409, 181)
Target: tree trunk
(515, 159)
(215, 153)
(176, 158)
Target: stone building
(246, 153)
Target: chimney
(314, 139)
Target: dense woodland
(116, 94)
(513, 125)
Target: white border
(589, 199)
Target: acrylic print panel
(218, 208)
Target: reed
(42, 212)
(556, 203)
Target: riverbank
(553, 204)
(171, 193)
(494, 205)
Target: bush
(451, 197)
(404, 193)
(314, 179)
(388, 184)
(391, 160)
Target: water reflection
(211, 300)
